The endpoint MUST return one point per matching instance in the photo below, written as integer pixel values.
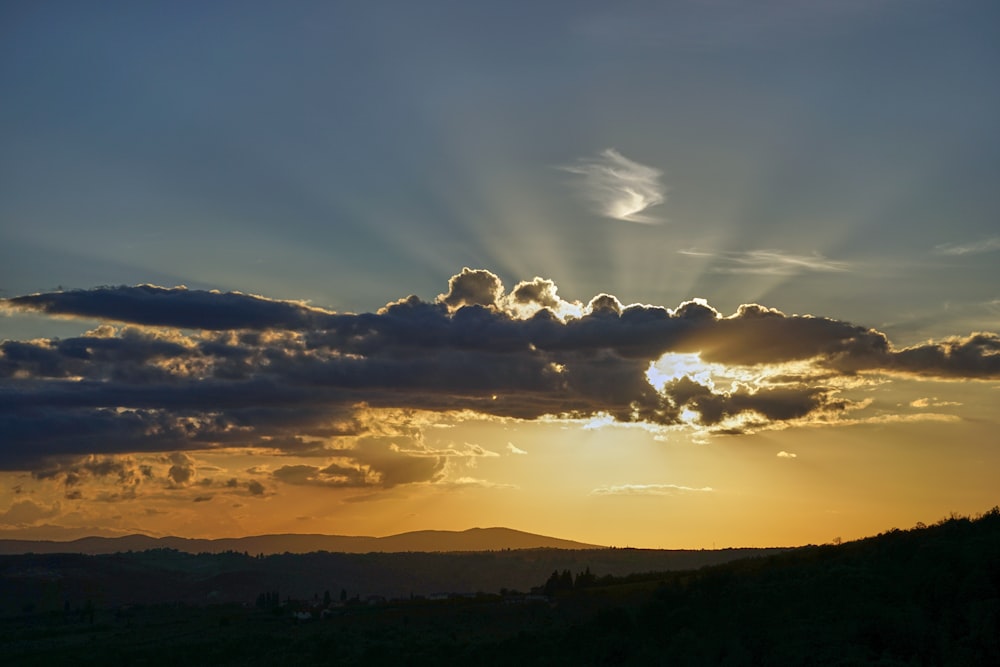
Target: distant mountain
(474, 539)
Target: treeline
(565, 581)
(45, 582)
(928, 596)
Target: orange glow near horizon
(612, 485)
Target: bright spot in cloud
(689, 416)
(675, 365)
(932, 403)
(620, 188)
(787, 455)
(599, 420)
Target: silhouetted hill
(166, 575)
(474, 539)
(928, 596)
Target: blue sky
(343, 152)
(839, 159)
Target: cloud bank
(173, 370)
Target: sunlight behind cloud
(675, 365)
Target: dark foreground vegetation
(928, 596)
(49, 582)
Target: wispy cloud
(474, 482)
(773, 262)
(647, 490)
(932, 403)
(991, 244)
(514, 449)
(619, 187)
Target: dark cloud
(372, 461)
(123, 472)
(473, 287)
(182, 469)
(333, 475)
(975, 356)
(605, 304)
(770, 404)
(174, 307)
(538, 291)
(282, 376)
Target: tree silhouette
(584, 579)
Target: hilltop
(473, 539)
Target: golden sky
(210, 414)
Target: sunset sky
(682, 274)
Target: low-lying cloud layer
(179, 371)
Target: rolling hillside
(474, 539)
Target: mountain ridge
(471, 539)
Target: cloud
(973, 356)
(472, 287)
(176, 306)
(122, 474)
(473, 482)
(787, 455)
(514, 449)
(27, 512)
(376, 461)
(530, 296)
(768, 262)
(647, 490)
(619, 187)
(182, 469)
(356, 390)
(991, 244)
(932, 403)
(332, 475)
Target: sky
(683, 274)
